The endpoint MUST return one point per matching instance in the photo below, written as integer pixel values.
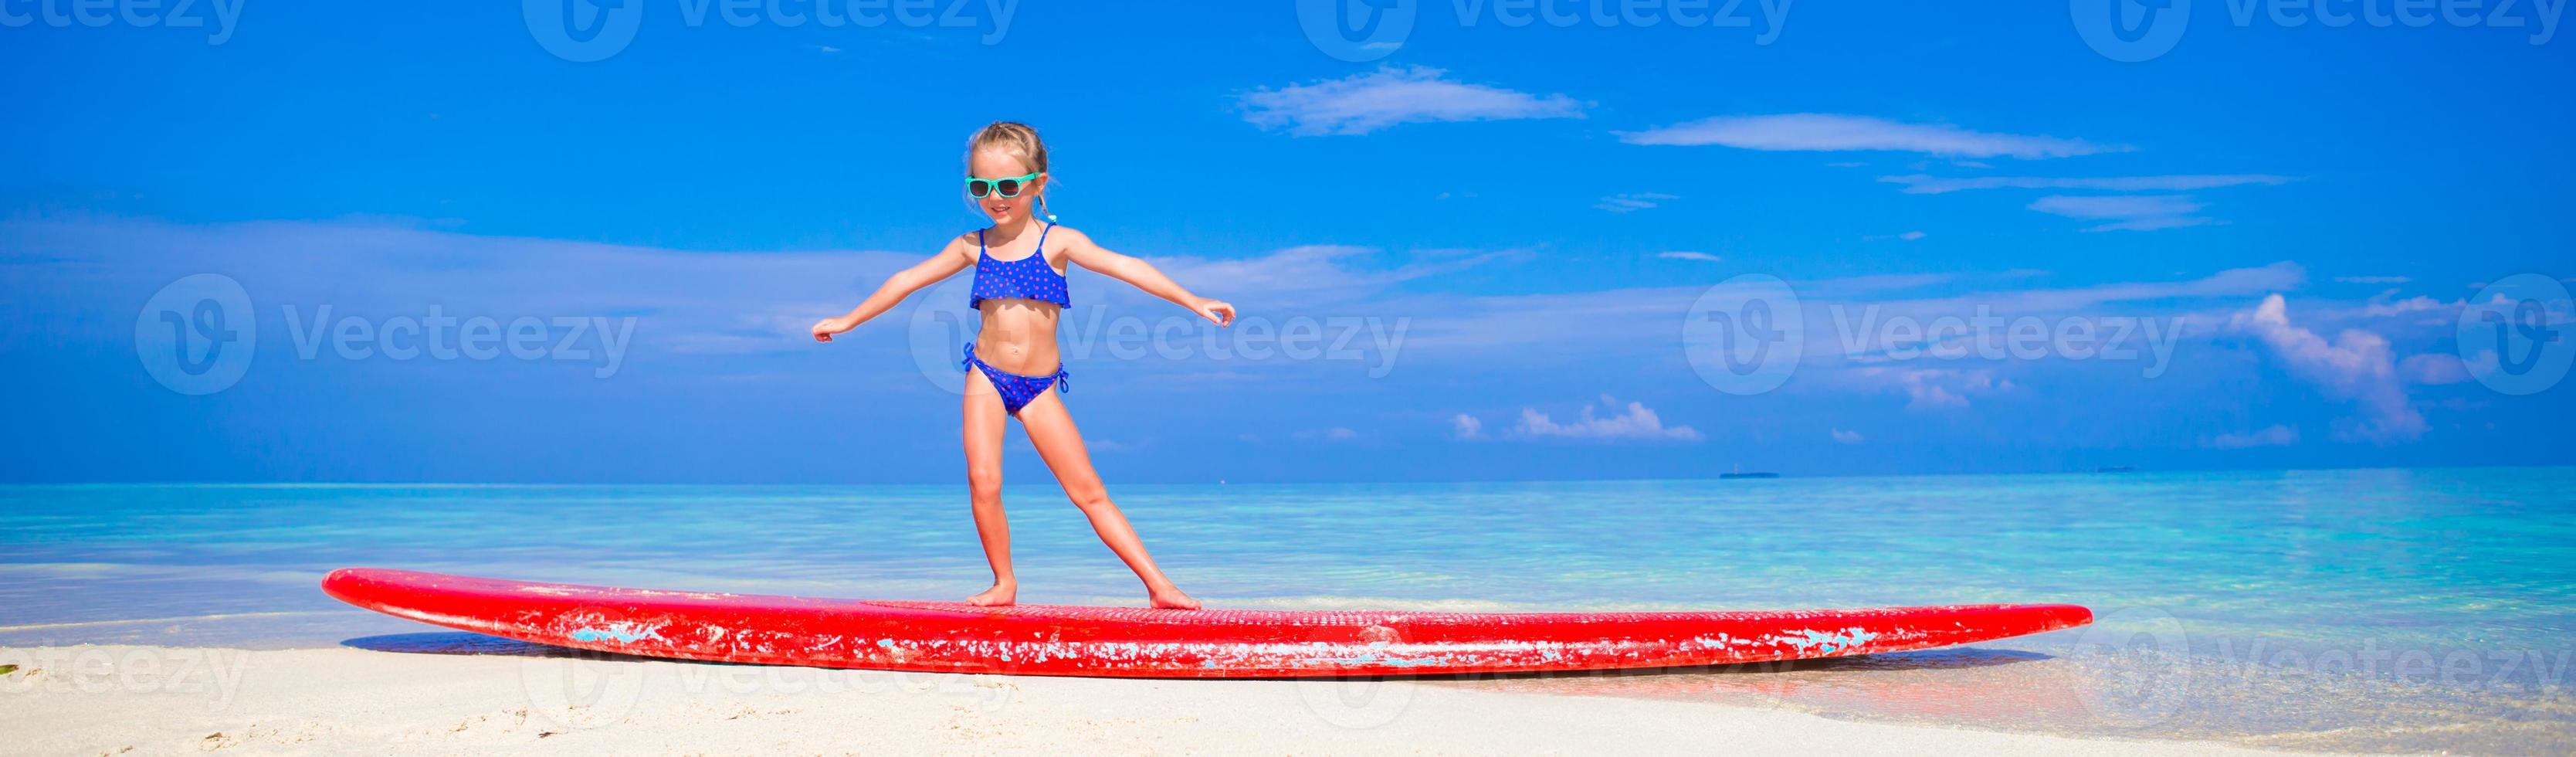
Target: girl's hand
(1217, 312)
(824, 329)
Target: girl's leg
(1051, 430)
(984, 424)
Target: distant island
(2116, 469)
(1723, 476)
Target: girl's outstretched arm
(951, 259)
(1144, 276)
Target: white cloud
(1688, 255)
(1624, 203)
(1334, 434)
(2386, 304)
(1933, 388)
(2275, 436)
(2154, 223)
(1847, 437)
(1636, 422)
(1467, 427)
(2372, 279)
(1926, 184)
(1828, 131)
(2116, 206)
(1907, 236)
(2357, 367)
(1390, 96)
(2228, 283)
(2126, 212)
(2433, 369)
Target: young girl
(1020, 265)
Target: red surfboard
(954, 637)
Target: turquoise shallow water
(2370, 609)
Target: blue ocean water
(2359, 609)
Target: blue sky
(1506, 227)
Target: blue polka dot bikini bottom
(1017, 390)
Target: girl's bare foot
(1171, 598)
(1002, 593)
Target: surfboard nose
(338, 582)
(356, 585)
(2068, 616)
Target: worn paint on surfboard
(955, 637)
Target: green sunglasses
(1008, 187)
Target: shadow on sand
(465, 643)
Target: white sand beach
(165, 700)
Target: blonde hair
(1017, 140)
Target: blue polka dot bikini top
(1029, 277)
